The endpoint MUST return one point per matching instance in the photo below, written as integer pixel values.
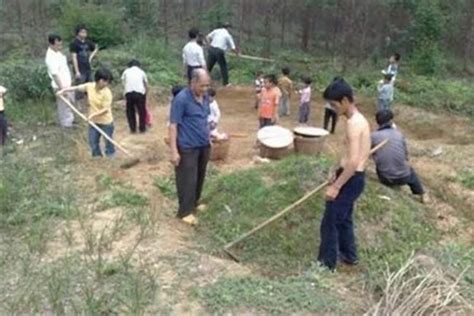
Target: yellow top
(286, 85)
(99, 100)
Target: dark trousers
(337, 228)
(330, 115)
(190, 70)
(136, 103)
(304, 113)
(86, 76)
(412, 181)
(264, 122)
(94, 140)
(217, 55)
(3, 128)
(190, 176)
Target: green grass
(282, 296)
(388, 231)
(243, 199)
(167, 186)
(466, 178)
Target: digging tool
(238, 135)
(285, 211)
(255, 58)
(127, 164)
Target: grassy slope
(283, 253)
(34, 205)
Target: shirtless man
(337, 231)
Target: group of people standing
(94, 87)
(190, 125)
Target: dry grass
(420, 287)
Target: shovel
(125, 165)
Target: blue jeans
(304, 113)
(3, 129)
(94, 140)
(284, 106)
(337, 228)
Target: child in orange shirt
(269, 101)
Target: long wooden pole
(285, 210)
(253, 58)
(95, 126)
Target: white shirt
(134, 79)
(215, 114)
(56, 62)
(2, 91)
(193, 55)
(221, 38)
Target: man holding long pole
(220, 41)
(337, 229)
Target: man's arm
(209, 37)
(95, 51)
(75, 64)
(173, 137)
(53, 70)
(176, 114)
(405, 147)
(202, 60)
(81, 88)
(351, 165)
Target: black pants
(3, 128)
(190, 176)
(217, 55)
(190, 72)
(337, 228)
(330, 115)
(136, 102)
(412, 181)
(263, 122)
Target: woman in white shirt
(135, 83)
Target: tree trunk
(284, 7)
(165, 21)
(306, 27)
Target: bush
(158, 61)
(105, 26)
(429, 23)
(25, 79)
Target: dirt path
(171, 248)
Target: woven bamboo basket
(220, 149)
(309, 145)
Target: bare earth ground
(170, 248)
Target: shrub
(105, 26)
(25, 79)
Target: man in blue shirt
(190, 142)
